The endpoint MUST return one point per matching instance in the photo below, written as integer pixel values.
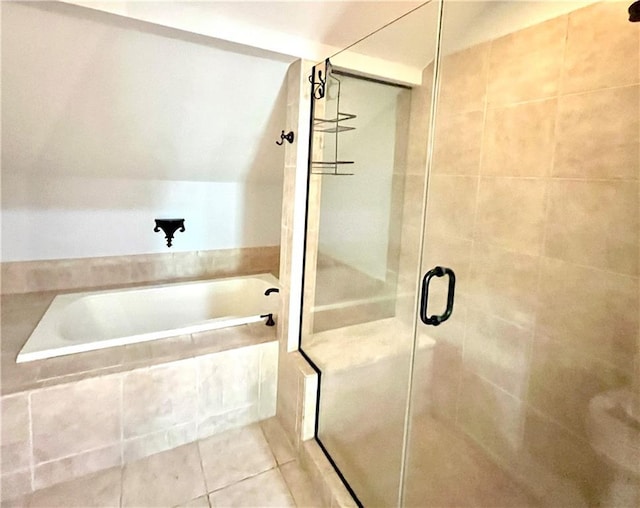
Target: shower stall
(471, 296)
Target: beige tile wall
(533, 201)
(297, 381)
(62, 274)
(50, 435)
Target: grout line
(286, 483)
(560, 96)
(266, 440)
(545, 228)
(196, 366)
(122, 420)
(122, 376)
(65, 457)
(545, 416)
(121, 485)
(31, 452)
(542, 257)
(260, 362)
(544, 178)
(204, 476)
(469, 306)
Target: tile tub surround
(238, 467)
(20, 313)
(52, 434)
(64, 274)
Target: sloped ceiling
(315, 30)
(307, 29)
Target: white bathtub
(81, 322)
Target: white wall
(356, 210)
(108, 123)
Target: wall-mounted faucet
(271, 290)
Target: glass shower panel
(363, 237)
(528, 395)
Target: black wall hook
(318, 85)
(169, 226)
(289, 137)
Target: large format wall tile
(62, 274)
(490, 415)
(413, 200)
(504, 283)
(15, 485)
(451, 205)
(99, 489)
(602, 48)
(16, 442)
(464, 80)
(519, 140)
(451, 252)
(598, 134)
(268, 389)
(594, 223)
(447, 369)
(564, 380)
(526, 65)
(89, 425)
(457, 144)
(498, 351)
(551, 295)
(143, 446)
(58, 471)
(159, 398)
(75, 418)
(229, 381)
(576, 472)
(511, 213)
(593, 311)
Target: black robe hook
(289, 137)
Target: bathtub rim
(49, 321)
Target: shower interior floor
(362, 403)
(249, 466)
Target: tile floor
(252, 466)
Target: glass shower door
(526, 396)
(365, 207)
(520, 175)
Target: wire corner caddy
(325, 85)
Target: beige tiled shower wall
(297, 381)
(409, 181)
(63, 274)
(533, 201)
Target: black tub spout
(270, 321)
(271, 290)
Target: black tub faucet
(271, 290)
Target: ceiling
(315, 30)
(307, 29)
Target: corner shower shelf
(322, 89)
(325, 167)
(333, 125)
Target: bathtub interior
(83, 322)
